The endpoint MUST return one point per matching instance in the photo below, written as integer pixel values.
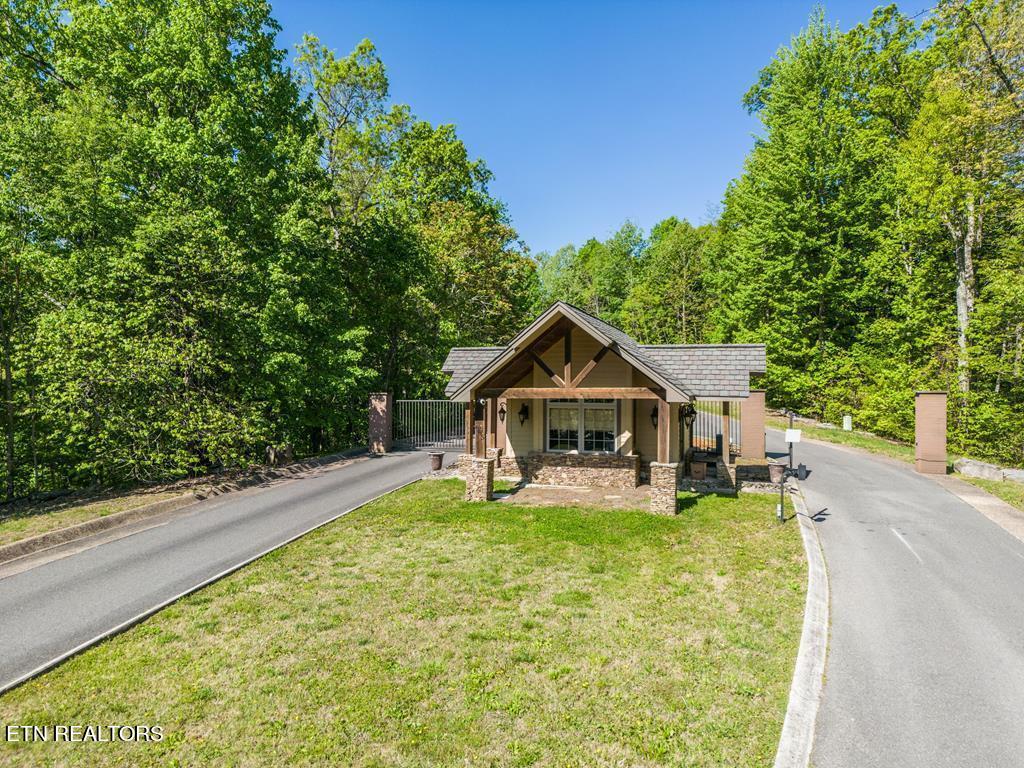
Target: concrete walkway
(51, 609)
(926, 655)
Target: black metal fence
(707, 426)
(429, 424)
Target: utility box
(930, 433)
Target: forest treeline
(875, 239)
(210, 246)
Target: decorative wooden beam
(546, 368)
(589, 366)
(617, 393)
(567, 357)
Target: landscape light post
(777, 472)
(791, 444)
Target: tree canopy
(209, 246)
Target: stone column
(752, 425)
(479, 479)
(381, 410)
(664, 482)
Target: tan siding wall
(612, 371)
(627, 445)
(519, 440)
(646, 435)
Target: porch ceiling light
(654, 417)
(524, 413)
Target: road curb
(126, 625)
(50, 539)
(805, 692)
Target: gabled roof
(685, 370)
(710, 370)
(463, 362)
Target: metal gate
(707, 426)
(429, 424)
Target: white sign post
(792, 436)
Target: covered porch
(573, 401)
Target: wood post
(663, 430)
(469, 425)
(492, 422)
(480, 439)
(726, 455)
(500, 438)
(567, 357)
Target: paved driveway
(50, 609)
(926, 652)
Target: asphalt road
(926, 652)
(53, 608)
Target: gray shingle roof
(710, 370)
(463, 362)
(699, 370)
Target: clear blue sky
(588, 113)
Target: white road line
(907, 545)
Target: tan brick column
(479, 479)
(930, 433)
(664, 483)
(752, 425)
(381, 412)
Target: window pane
(563, 429)
(599, 429)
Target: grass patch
(854, 439)
(24, 521)
(1007, 490)
(425, 631)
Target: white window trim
(581, 405)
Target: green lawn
(854, 439)
(424, 631)
(24, 521)
(1008, 491)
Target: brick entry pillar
(479, 479)
(752, 425)
(664, 482)
(381, 412)
(930, 433)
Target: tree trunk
(5, 333)
(966, 292)
(1017, 354)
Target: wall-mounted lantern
(524, 414)
(502, 412)
(654, 417)
(687, 414)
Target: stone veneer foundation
(479, 474)
(583, 469)
(664, 482)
